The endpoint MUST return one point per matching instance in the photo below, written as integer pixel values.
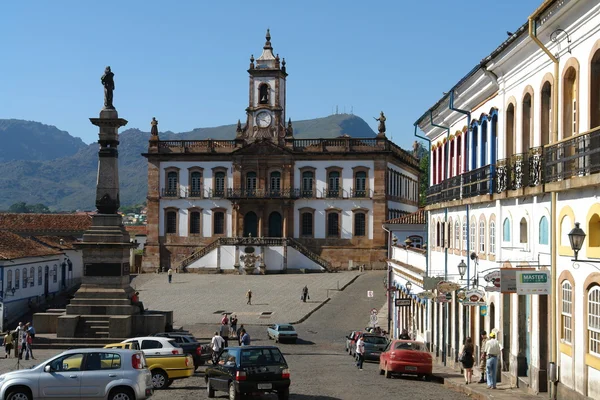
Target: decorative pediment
(262, 146)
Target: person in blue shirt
(245, 338)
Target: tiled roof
(417, 217)
(57, 242)
(136, 229)
(41, 223)
(14, 246)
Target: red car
(406, 357)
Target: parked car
(151, 345)
(112, 374)
(282, 332)
(374, 345)
(166, 369)
(125, 346)
(406, 357)
(249, 369)
(190, 345)
(349, 340)
(352, 343)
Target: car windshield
(410, 346)
(286, 328)
(375, 340)
(251, 357)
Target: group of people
(21, 340)
(228, 329)
(488, 362)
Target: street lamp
(408, 287)
(576, 237)
(462, 268)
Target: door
(63, 276)
(275, 228)
(46, 275)
(218, 374)
(63, 380)
(250, 224)
(100, 370)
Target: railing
(361, 193)
(170, 193)
(254, 241)
(576, 156)
(333, 193)
(197, 146)
(240, 193)
(478, 181)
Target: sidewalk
(455, 381)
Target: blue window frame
(506, 230)
(544, 230)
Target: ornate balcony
(240, 193)
(361, 193)
(573, 157)
(478, 181)
(172, 193)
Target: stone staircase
(93, 326)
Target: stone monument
(102, 305)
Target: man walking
(29, 339)
(483, 356)
(8, 344)
(233, 325)
(217, 343)
(249, 297)
(492, 349)
(170, 274)
(245, 338)
(305, 293)
(360, 352)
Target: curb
(457, 387)
(310, 313)
(350, 282)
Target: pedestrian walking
(170, 274)
(22, 342)
(249, 297)
(360, 352)
(492, 349)
(245, 338)
(233, 325)
(30, 337)
(467, 360)
(216, 344)
(404, 335)
(483, 357)
(239, 334)
(8, 344)
(305, 294)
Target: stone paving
(199, 299)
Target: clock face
(263, 119)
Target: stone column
(260, 213)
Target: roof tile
(14, 246)
(417, 217)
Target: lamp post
(462, 268)
(576, 238)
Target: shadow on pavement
(312, 397)
(303, 342)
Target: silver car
(113, 374)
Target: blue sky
(185, 62)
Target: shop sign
(536, 282)
(430, 283)
(508, 279)
(441, 298)
(403, 302)
(474, 297)
(483, 310)
(426, 295)
(447, 287)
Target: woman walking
(467, 360)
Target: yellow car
(126, 346)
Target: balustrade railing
(198, 146)
(170, 192)
(364, 193)
(240, 193)
(577, 156)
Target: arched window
(218, 223)
(492, 237)
(172, 181)
(593, 319)
(25, 281)
(250, 183)
(219, 184)
(196, 184)
(360, 223)
(526, 123)
(275, 183)
(475, 149)
(450, 234)
(494, 139)
(523, 230)
(307, 183)
(473, 235)
(32, 276)
(481, 236)
(333, 224)
(544, 230)
(40, 276)
(195, 222)
(510, 131)
(55, 273)
(593, 227)
(171, 222)
(263, 94)
(307, 223)
(9, 281)
(566, 312)
(17, 278)
(438, 237)
(570, 104)
(457, 235)
(360, 184)
(464, 235)
(546, 117)
(333, 190)
(483, 152)
(506, 230)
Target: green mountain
(66, 181)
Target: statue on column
(381, 127)
(109, 85)
(154, 127)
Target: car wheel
(170, 382)
(210, 392)
(19, 394)
(121, 394)
(428, 377)
(159, 379)
(233, 394)
(283, 394)
(388, 373)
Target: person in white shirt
(360, 352)
(217, 343)
(492, 349)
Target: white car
(154, 345)
(113, 374)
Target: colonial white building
(515, 156)
(296, 203)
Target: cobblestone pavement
(320, 368)
(198, 299)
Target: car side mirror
(48, 368)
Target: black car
(249, 370)
(190, 345)
(374, 346)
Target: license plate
(410, 368)
(265, 385)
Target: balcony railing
(240, 193)
(576, 156)
(478, 181)
(361, 193)
(170, 192)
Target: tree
(24, 208)
(20, 207)
(39, 209)
(423, 178)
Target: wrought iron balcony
(240, 193)
(573, 157)
(334, 193)
(521, 170)
(361, 193)
(170, 192)
(478, 181)
(307, 194)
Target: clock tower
(266, 102)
